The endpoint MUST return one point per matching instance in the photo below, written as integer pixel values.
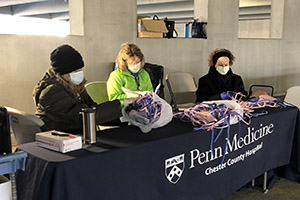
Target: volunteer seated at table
(60, 95)
(220, 78)
(130, 73)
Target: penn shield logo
(174, 168)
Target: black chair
(156, 73)
(9, 162)
(5, 139)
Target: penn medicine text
(236, 143)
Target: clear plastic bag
(235, 108)
(147, 112)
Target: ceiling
(51, 9)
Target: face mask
(77, 77)
(135, 68)
(223, 70)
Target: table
(173, 162)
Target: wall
(254, 29)
(109, 23)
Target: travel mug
(89, 125)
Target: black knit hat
(65, 59)
(219, 54)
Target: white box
(5, 188)
(58, 141)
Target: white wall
(109, 23)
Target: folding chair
(268, 88)
(270, 91)
(293, 96)
(97, 91)
(24, 126)
(182, 88)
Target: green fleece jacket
(119, 78)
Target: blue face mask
(77, 77)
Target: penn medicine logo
(174, 168)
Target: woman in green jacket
(60, 95)
(130, 73)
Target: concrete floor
(283, 190)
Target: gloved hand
(224, 96)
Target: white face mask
(223, 70)
(77, 77)
(135, 68)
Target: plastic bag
(133, 94)
(235, 109)
(148, 111)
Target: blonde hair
(217, 51)
(74, 89)
(127, 51)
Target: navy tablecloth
(173, 162)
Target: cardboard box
(58, 141)
(5, 188)
(148, 28)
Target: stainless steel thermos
(89, 125)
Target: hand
(224, 96)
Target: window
(32, 26)
(34, 17)
(258, 19)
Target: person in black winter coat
(220, 77)
(60, 95)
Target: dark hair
(217, 53)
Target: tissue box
(58, 141)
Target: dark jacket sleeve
(210, 88)
(86, 99)
(59, 104)
(201, 91)
(205, 92)
(108, 111)
(240, 85)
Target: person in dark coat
(60, 95)
(220, 77)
